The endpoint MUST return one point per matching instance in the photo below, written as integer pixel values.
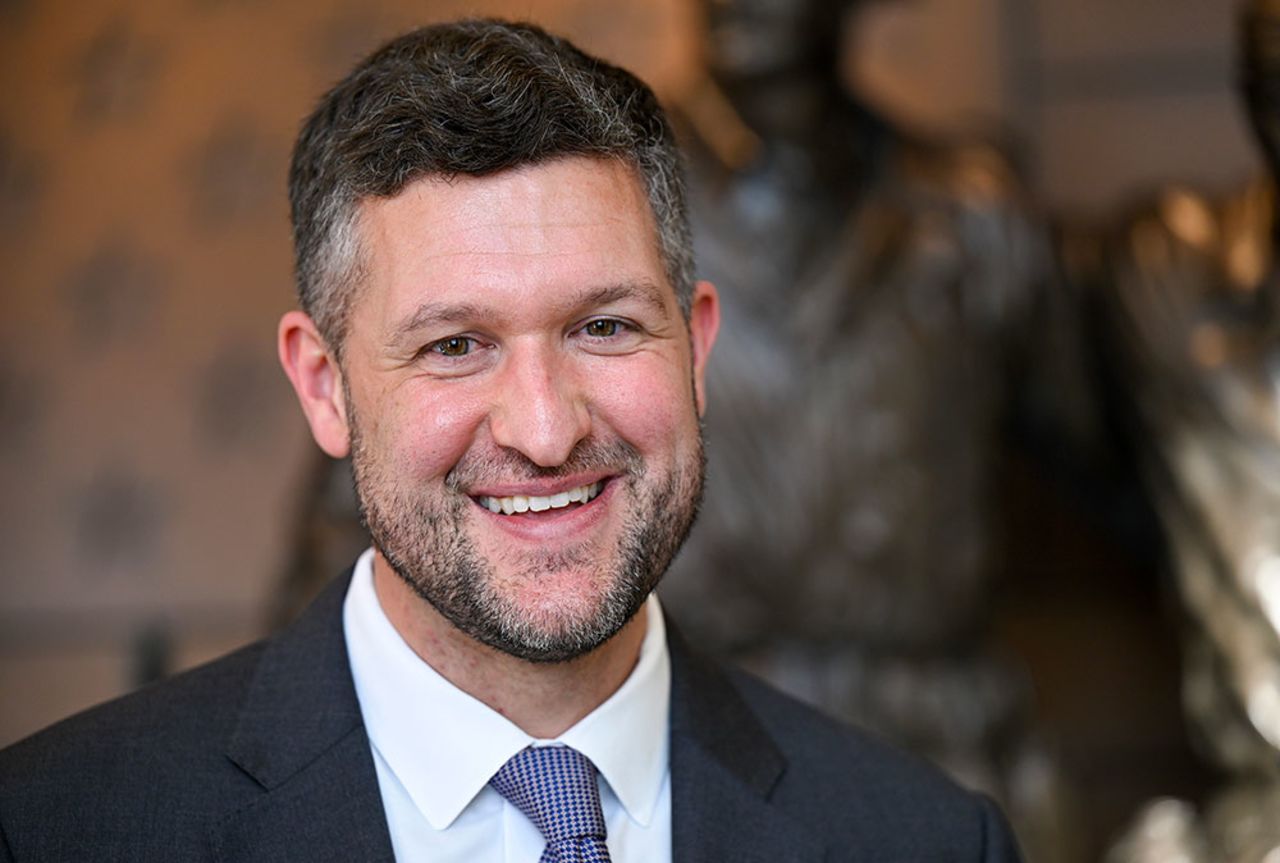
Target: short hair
(472, 97)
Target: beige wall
(1106, 98)
(1124, 95)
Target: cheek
(650, 406)
(429, 431)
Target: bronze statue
(874, 292)
(1194, 296)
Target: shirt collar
(444, 745)
(626, 736)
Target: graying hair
(468, 98)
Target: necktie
(555, 787)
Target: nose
(541, 408)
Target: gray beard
(425, 542)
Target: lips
(519, 503)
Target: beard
(422, 534)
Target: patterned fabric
(555, 786)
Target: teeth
(534, 503)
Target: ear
(317, 379)
(704, 323)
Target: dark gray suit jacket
(262, 756)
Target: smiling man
(516, 394)
(500, 325)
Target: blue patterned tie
(555, 786)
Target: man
(500, 325)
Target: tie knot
(555, 787)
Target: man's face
(522, 396)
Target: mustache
(509, 465)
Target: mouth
(519, 503)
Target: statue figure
(875, 290)
(1194, 296)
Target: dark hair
(473, 97)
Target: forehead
(511, 236)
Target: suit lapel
(724, 768)
(301, 738)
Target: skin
(507, 320)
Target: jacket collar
(725, 767)
(300, 736)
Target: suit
(263, 756)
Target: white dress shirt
(435, 748)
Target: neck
(543, 699)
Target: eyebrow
(429, 314)
(645, 291)
(432, 314)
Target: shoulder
(967, 210)
(868, 796)
(739, 744)
(1180, 229)
(155, 756)
(969, 192)
(183, 710)
(972, 172)
(830, 753)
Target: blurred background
(157, 474)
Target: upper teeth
(535, 503)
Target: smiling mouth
(535, 503)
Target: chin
(559, 626)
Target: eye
(455, 356)
(454, 346)
(602, 328)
